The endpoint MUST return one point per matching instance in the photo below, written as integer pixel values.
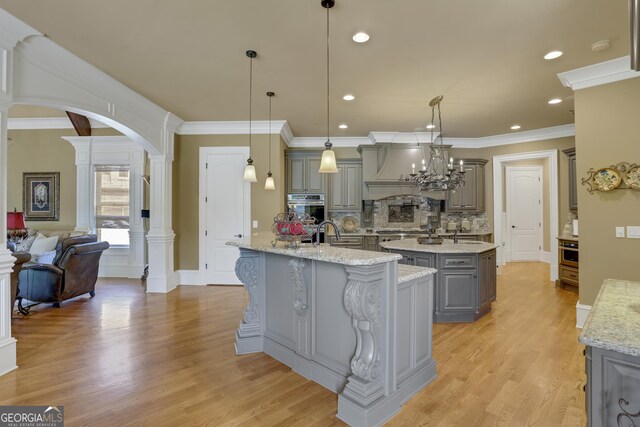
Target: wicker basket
(291, 228)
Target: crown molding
(282, 128)
(231, 127)
(599, 74)
(513, 138)
(318, 141)
(33, 123)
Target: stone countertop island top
(362, 232)
(407, 273)
(614, 320)
(262, 242)
(447, 247)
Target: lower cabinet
(351, 242)
(613, 388)
(465, 285)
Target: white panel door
(227, 212)
(524, 212)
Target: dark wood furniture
(573, 180)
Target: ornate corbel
(362, 301)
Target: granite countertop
(447, 247)
(614, 320)
(262, 242)
(568, 237)
(407, 273)
(412, 230)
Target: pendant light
(269, 184)
(250, 169)
(328, 161)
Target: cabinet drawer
(346, 240)
(569, 275)
(457, 261)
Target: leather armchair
(74, 272)
(21, 258)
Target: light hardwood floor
(127, 358)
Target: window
(112, 204)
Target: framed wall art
(41, 196)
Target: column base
(8, 361)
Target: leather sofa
(21, 258)
(74, 272)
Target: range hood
(384, 165)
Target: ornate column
(250, 272)
(84, 184)
(162, 277)
(7, 342)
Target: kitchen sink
(469, 242)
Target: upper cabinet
(573, 180)
(302, 172)
(469, 198)
(345, 187)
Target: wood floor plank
(127, 358)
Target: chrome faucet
(455, 234)
(326, 221)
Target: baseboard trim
(582, 312)
(8, 356)
(190, 277)
(545, 257)
(128, 271)
(553, 272)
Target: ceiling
(485, 57)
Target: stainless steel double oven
(310, 203)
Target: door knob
(513, 226)
(237, 235)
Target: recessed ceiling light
(348, 97)
(555, 101)
(553, 54)
(431, 126)
(360, 37)
(343, 126)
(515, 127)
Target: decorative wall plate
(632, 177)
(349, 224)
(606, 179)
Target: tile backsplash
(412, 213)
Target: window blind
(112, 196)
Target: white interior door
(226, 210)
(524, 212)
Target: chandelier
(439, 173)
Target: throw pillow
(25, 244)
(43, 244)
(44, 258)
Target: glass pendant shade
(250, 173)
(328, 162)
(269, 184)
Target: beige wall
(527, 147)
(607, 130)
(45, 151)
(264, 204)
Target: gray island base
(350, 320)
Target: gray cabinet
(465, 285)
(345, 187)
(487, 288)
(612, 389)
(573, 179)
(469, 198)
(302, 172)
(370, 243)
(350, 242)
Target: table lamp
(16, 228)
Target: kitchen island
(611, 335)
(465, 285)
(353, 321)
